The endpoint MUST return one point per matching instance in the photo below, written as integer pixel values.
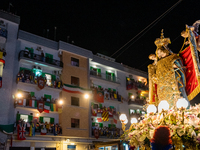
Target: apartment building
(55, 95)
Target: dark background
(105, 26)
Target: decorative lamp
(122, 117)
(151, 109)
(132, 96)
(182, 103)
(163, 105)
(126, 121)
(134, 120)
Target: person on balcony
(42, 56)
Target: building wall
(78, 112)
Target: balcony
(3, 35)
(39, 59)
(137, 102)
(104, 76)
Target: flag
(105, 115)
(94, 112)
(99, 96)
(99, 120)
(75, 89)
(192, 80)
(40, 106)
(33, 103)
(46, 107)
(53, 107)
(22, 102)
(115, 121)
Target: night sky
(105, 26)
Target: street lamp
(60, 102)
(86, 96)
(19, 95)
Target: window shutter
(100, 105)
(91, 67)
(99, 70)
(18, 117)
(51, 120)
(114, 90)
(109, 125)
(99, 86)
(32, 94)
(41, 119)
(109, 89)
(47, 96)
(93, 124)
(112, 74)
(53, 77)
(30, 118)
(101, 125)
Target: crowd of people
(36, 126)
(133, 84)
(30, 77)
(109, 132)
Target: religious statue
(174, 76)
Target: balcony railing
(104, 76)
(137, 102)
(39, 58)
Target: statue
(173, 76)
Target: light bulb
(151, 109)
(182, 102)
(19, 95)
(163, 105)
(122, 117)
(126, 121)
(60, 102)
(134, 120)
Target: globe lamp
(182, 103)
(163, 105)
(151, 109)
(134, 120)
(122, 117)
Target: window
(75, 101)
(132, 111)
(46, 119)
(74, 62)
(24, 117)
(74, 81)
(48, 77)
(75, 123)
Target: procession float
(174, 80)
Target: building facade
(55, 95)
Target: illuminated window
(48, 77)
(46, 119)
(24, 117)
(37, 72)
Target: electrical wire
(153, 23)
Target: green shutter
(93, 124)
(32, 94)
(30, 118)
(114, 90)
(41, 119)
(18, 117)
(43, 74)
(112, 107)
(112, 74)
(91, 67)
(100, 106)
(99, 86)
(99, 70)
(51, 120)
(47, 96)
(101, 125)
(53, 77)
(109, 89)
(109, 125)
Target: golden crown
(162, 41)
